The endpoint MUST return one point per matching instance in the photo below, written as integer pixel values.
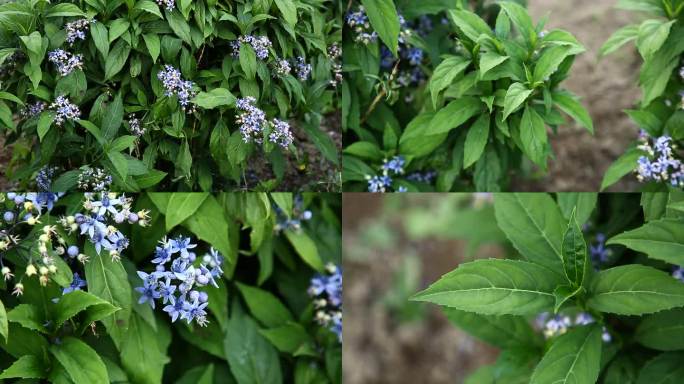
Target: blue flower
(302, 69)
(148, 291)
(281, 134)
(326, 291)
(176, 309)
(76, 284)
(76, 30)
(182, 245)
(64, 110)
(174, 84)
(65, 61)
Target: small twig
(380, 95)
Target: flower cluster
(102, 212)
(280, 133)
(427, 177)
(177, 286)
(326, 291)
(260, 44)
(11, 63)
(281, 67)
(302, 69)
(659, 164)
(66, 62)
(44, 178)
(134, 125)
(359, 23)
(64, 110)
(76, 30)
(299, 214)
(335, 53)
(412, 73)
(381, 183)
(559, 324)
(174, 84)
(169, 4)
(94, 179)
(598, 252)
(34, 109)
(251, 119)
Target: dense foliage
(441, 97)
(592, 289)
(189, 95)
(182, 287)
(656, 157)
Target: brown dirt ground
(377, 348)
(607, 87)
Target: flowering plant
(440, 97)
(170, 95)
(593, 289)
(656, 158)
(186, 287)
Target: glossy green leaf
(384, 19)
(569, 104)
(652, 36)
(74, 302)
(113, 118)
(663, 331)
(288, 9)
(476, 140)
(573, 358)
(214, 98)
(619, 38)
(184, 205)
(305, 247)
(288, 338)
(471, 24)
(515, 96)
(80, 361)
(634, 290)
(659, 239)
(265, 307)
(666, 368)
(445, 73)
(453, 115)
(548, 62)
(29, 316)
(142, 356)
(583, 203)
(533, 223)
(574, 250)
(503, 331)
(533, 136)
(621, 167)
(248, 61)
(495, 287)
(26, 367)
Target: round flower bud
(202, 279)
(203, 297)
(70, 219)
(194, 295)
(44, 270)
(19, 199)
(31, 220)
(119, 218)
(11, 195)
(44, 238)
(133, 218)
(52, 268)
(31, 270)
(42, 248)
(72, 251)
(306, 215)
(28, 205)
(8, 216)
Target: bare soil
(607, 87)
(378, 348)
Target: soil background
(381, 347)
(606, 86)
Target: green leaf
(582, 202)
(533, 223)
(476, 140)
(365, 150)
(74, 302)
(574, 109)
(574, 357)
(652, 36)
(265, 306)
(251, 357)
(184, 205)
(659, 239)
(142, 355)
(533, 136)
(108, 280)
(383, 17)
(288, 9)
(305, 247)
(99, 34)
(515, 96)
(574, 250)
(149, 7)
(80, 361)
(214, 98)
(288, 338)
(284, 201)
(621, 167)
(663, 331)
(562, 294)
(621, 37)
(29, 316)
(116, 59)
(211, 225)
(44, 124)
(490, 60)
(635, 290)
(248, 60)
(180, 27)
(504, 331)
(445, 73)
(64, 10)
(521, 19)
(646, 120)
(153, 45)
(120, 163)
(494, 287)
(471, 24)
(26, 367)
(4, 326)
(488, 171)
(452, 115)
(666, 368)
(113, 117)
(549, 61)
